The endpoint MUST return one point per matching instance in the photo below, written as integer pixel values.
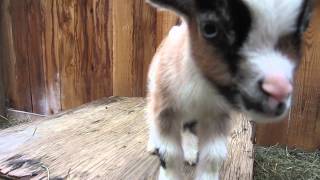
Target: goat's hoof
(190, 163)
(191, 158)
(153, 150)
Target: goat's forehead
(275, 16)
(271, 20)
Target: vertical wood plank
(122, 47)
(272, 134)
(304, 127)
(71, 92)
(85, 50)
(144, 44)
(50, 56)
(2, 91)
(2, 57)
(36, 29)
(15, 54)
(165, 21)
(34, 57)
(2, 95)
(134, 35)
(99, 67)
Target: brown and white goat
(227, 55)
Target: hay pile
(275, 163)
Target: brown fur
(208, 59)
(161, 101)
(289, 48)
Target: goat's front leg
(166, 139)
(213, 150)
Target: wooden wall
(2, 88)
(58, 54)
(2, 95)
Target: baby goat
(227, 55)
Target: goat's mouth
(261, 110)
(257, 104)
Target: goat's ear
(182, 7)
(305, 15)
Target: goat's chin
(261, 118)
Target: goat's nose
(277, 86)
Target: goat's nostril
(277, 86)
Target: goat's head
(248, 50)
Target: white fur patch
(166, 174)
(190, 147)
(166, 146)
(211, 157)
(216, 150)
(271, 20)
(271, 62)
(208, 176)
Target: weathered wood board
(102, 140)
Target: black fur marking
(233, 22)
(194, 163)
(257, 106)
(163, 163)
(235, 97)
(230, 93)
(304, 17)
(191, 126)
(161, 158)
(198, 157)
(302, 24)
(250, 104)
(156, 152)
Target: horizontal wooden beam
(106, 138)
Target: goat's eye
(209, 30)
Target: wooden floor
(102, 140)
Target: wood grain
(57, 54)
(2, 97)
(165, 21)
(302, 129)
(122, 47)
(134, 45)
(102, 140)
(2, 88)
(87, 67)
(35, 56)
(144, 44)
(50, 58)
(66, 53)
(15, 54)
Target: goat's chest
(199, 101)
